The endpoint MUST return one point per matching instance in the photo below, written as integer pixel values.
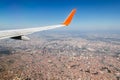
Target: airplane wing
(20, 34)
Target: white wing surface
(20, 34)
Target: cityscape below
(61, 56)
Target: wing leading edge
(21, 32)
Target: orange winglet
(69, 18)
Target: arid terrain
(61, 56)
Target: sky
(92, 15)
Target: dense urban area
(61, 56)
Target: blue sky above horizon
(91, 14)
